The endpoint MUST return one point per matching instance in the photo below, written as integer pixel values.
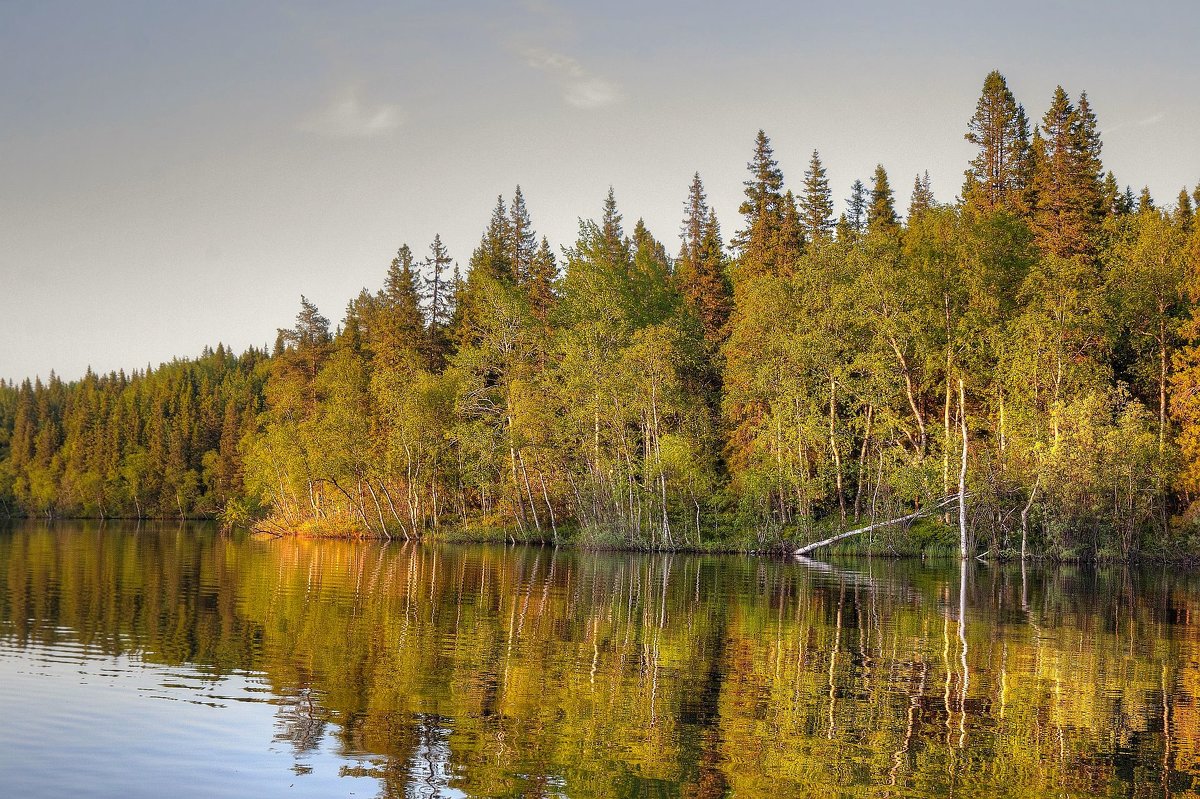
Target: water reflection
(491, 671)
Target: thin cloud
(349, 117)
(1141, 123)
(580, 88)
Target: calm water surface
(166, 660)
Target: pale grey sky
(174, 174)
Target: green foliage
(1067, 178)
(881, 212)
(803, 382)
(999, 176)
(816, 206)
(155, 443)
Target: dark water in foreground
(174, 661)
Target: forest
(768, 384)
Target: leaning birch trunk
(962, 475)
(807, 548)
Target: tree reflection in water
(493, 671)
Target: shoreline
(927, 550)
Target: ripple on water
(187, 663)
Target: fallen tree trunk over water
(807, 548)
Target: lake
(160, 659)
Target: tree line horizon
(808, 373)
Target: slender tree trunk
(1025, 514)
(946, 407)
(392, 507)
(529, 492)
(908, 390)
(379, 510)
(1162, 390)
(837, 458)
(549, 506)
(946, 438)
(962, 475)
(862, 458)
(435, 505)
(1003, 431)
(662, 478)
(516, 483)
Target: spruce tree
(881, 214)
(492, 262)
(1127, 203)
(522, 238)
(843, 230)
(1088, 169)
(1110, 194)
(597, 283)
(762, 210)
(652, 293)
(816, 206)
(695, 212)
(922, 197)
(396, 330)
(305, 348)
(458, 291)
(700, 269)
(998, 176)
(616, 248)
(494, 257)
(1184, 214)
(1145, 203)
(856, 207)
(438, 306)
(352, 335)
(1067, 184)
(540, 286)
(789, 240)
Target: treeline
(156, 443)
(813, 372)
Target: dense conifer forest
(789, 374)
